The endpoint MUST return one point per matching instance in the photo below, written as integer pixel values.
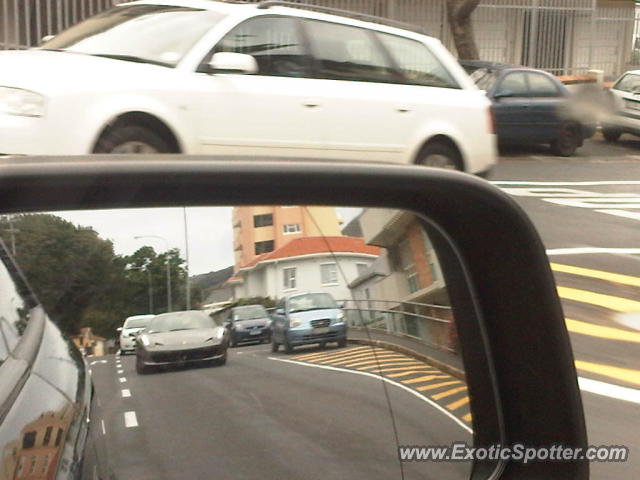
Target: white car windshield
(156, 34)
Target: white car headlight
(220, 333)
(294, 323)
(16, 101)
(339, 318)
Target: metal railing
(432, 325)
(23, 23)
(561, 36)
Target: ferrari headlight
(220, 333)
(145, 340)
(16, 101)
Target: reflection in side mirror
(229, 62)
(369, 337)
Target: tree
(68, 266)
(459, 14)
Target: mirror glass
(294, 342)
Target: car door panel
(512, 112)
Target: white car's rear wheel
(131, 139)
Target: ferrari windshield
(173, 322)
(157, 34)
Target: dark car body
(181, 338)
(45, 389)
(321, 322)
(247, 323)
(531, 106)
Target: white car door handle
(311, 104)
(403, 109)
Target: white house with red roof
(309, 263)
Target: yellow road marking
(341, 352)
(617, 304)
(448, 393)
(437, 385)
(599, 274)
(458, 403)
(419, 366)
(424, 379)
(411, 372)
(625, 374)
(361, 358)
(350, 357)
(367, 361)
(403, 364)
(610, 333)
(467, 417)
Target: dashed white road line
(594, 183)
(97, 361)
(587, 250)
(126, 393)
(120, 372)
(104, 431)
(384, 379)
(130, 419)
(609, 390)
(123, 379)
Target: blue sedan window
(542, 86)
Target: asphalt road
(259, 417)
(587, 211)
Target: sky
(210, 234)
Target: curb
(451, 370)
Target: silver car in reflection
(307, 318)
(180, 338)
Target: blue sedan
(531, 106)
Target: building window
(265, 220)
(289, 278)
(264, 247)
(47, 436)
(408, 267)
(329, 274)
(45, 464)
(59, 436)
(412, 279)
(32, 466)
(29, 440)
(362, 268)
(291, 228)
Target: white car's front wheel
(131, 139)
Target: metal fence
(430, 324)
(561, 36)
(23, 23)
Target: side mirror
(229, 62)
(503, 94)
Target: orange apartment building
(262, 229)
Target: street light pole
(169, 309)
(186, 246)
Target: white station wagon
(208, 77)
